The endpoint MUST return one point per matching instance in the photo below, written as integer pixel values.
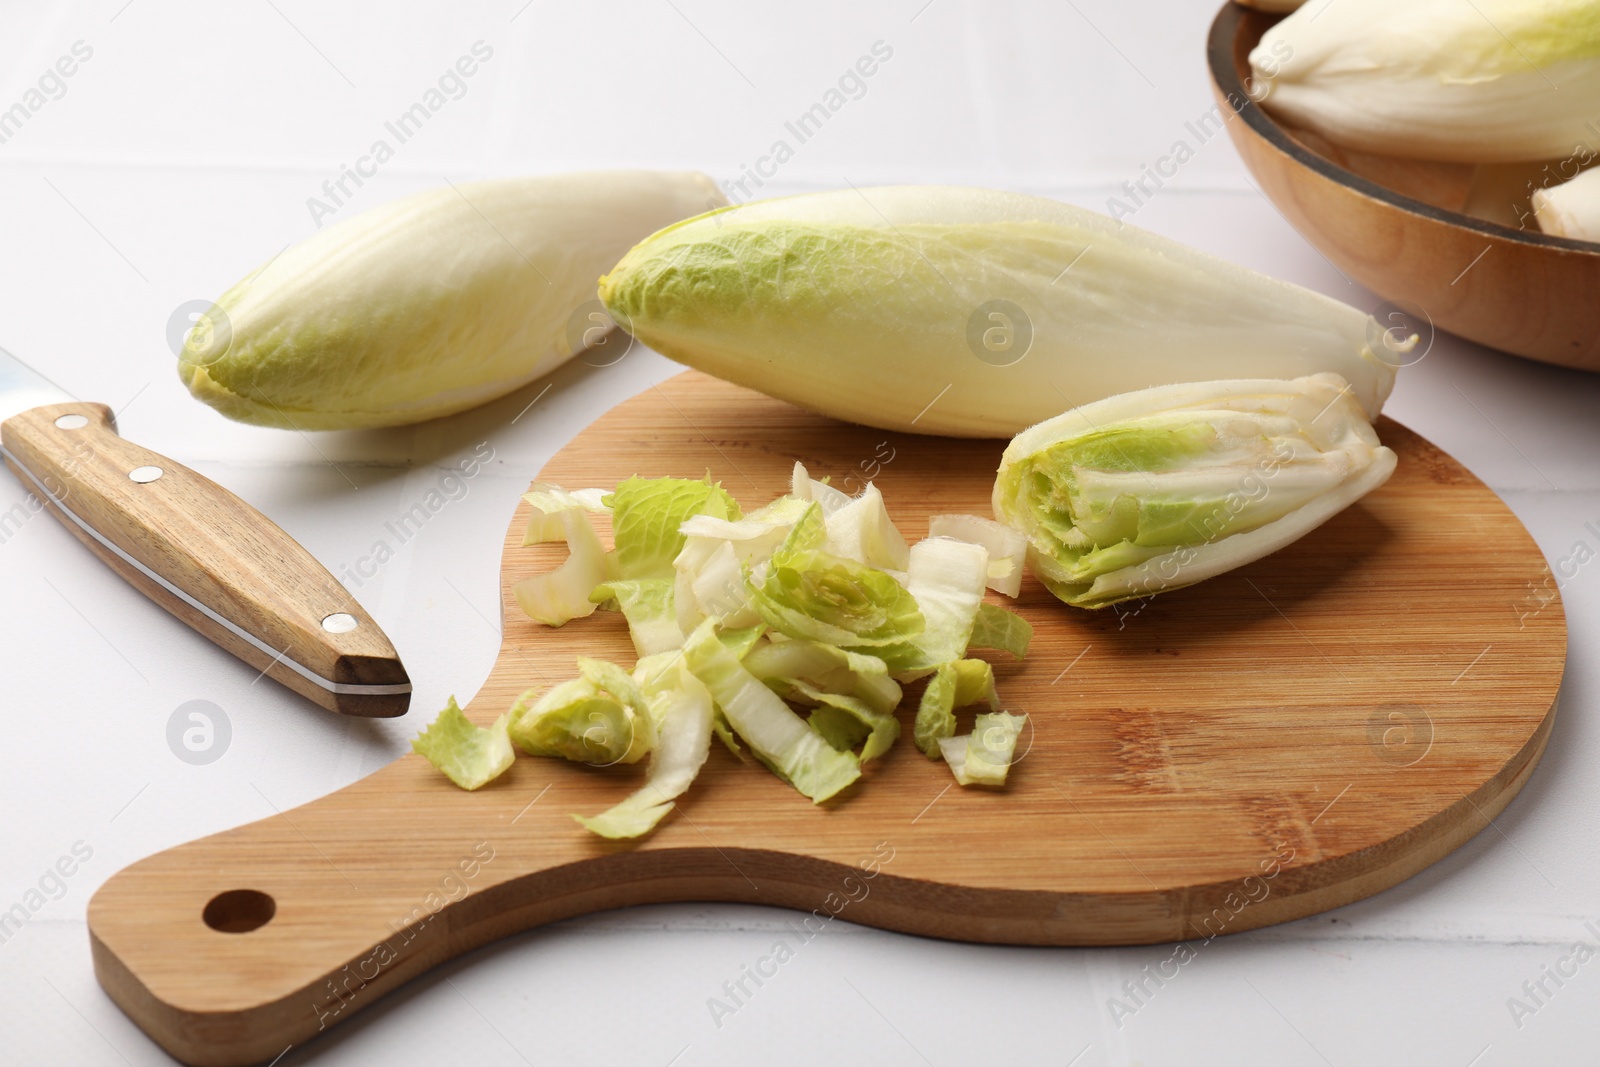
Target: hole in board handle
(238, 911)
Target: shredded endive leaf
(997, 628)
(984, 756)
(561, 595)
(953, 685)
(1006, 547)
(471, 756)
(600, 717)
(682, 710)
(778, 737)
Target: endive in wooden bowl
(1454, 243)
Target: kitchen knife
(197, 550)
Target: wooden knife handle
(207, 557)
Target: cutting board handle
(228, 949)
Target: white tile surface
(181, 154)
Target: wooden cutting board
(1280, 740)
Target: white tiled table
(182, 152)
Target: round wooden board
(1280, 740)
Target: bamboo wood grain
(213, 546)
(1283, 739)
(1395, 226)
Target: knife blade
(197, 550)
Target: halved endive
(968, 312)
(1468, 81)
(1155, 490)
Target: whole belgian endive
(968, 312)
(430, 304)
(1159, 489)
(1468, 81)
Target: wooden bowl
(1400, 227)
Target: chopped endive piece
(656, 671)
(758, 533)
(647, 605)
(733, 545)
(967, 312)
(549, 501)
(1464, 81)
(803, 487)
(653, 672)
(1159, 489)
(1007, 548)
(809, 532)
(785, 511)
(854, 674)
(861, 530)
(810, 594)
(646, 514)
(953, 685)
(682, 710)
(469, 755)
(740, 640)
(946, 579)
(1000, 629)
(561, 595)
(719, 589)
(600, 718)
(777, 736)
(845, 721)
(686, 568)
(984, 756)
(1571, 209)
